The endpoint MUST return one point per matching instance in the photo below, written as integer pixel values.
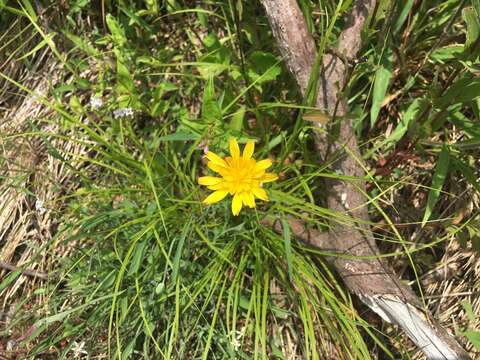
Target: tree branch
(372, 280)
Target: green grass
(152, 272)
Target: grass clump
(148, 271)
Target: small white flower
(123, 112)
(11, 345)
(39, 207)
(236, 337)
(236, 344)
(96, 102)
(78, 349)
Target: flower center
(240, 177)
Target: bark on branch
(372, 280)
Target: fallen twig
(26, 272)
(372, 281)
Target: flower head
(96, 102)
(241, 176)
(123, 112)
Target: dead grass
(33, 183)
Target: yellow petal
(236, 204)
(209, 180)
(215, 197)
(234, 148)
(248, 199)
(217, 168)
(219, 186)
(260, 193)
(268, 177)
(214, 158)
(263, 164)
(248, 149)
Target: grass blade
(437, 182)
(287, 238)
(380, 87)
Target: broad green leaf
(380, 86)
(463, 90)
(211, 112)
(216, 61)
(124, 79)
(473, 337)
(118, 34)
(473, 26)
(263, 67)
(437, 182)
(447, 53)
(468, 310)
(236, 124)
(152, 6)
(476, 6)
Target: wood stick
(27, 272)
(373, 281)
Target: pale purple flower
(123, 112)
(96, 102)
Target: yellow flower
(241, 176)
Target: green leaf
(28, 8)
(473, 25)
(447, 53)
(468, 310)
(211, 112)
(287, 238)
(237, 119)
(456, 117)
(178, 252)
(403, 13)
(180, 136)
(405, 119)
(216, 60)
(476, 6)
(152, 6)
(476, 243)
(467, 172)
(82, 44)
(473, 337)
(137, 257)
(437, 182)
(7, 280)
(124, 79)
(40, 45)
(263, 67)
(380, 86)
(118, 34)
(463, 90)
